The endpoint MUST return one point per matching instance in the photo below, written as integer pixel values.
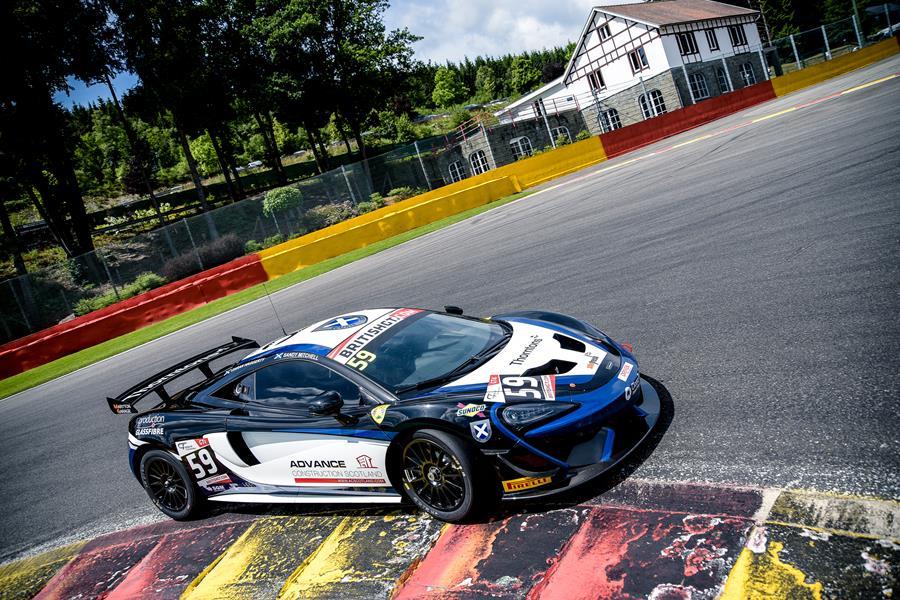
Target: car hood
(558, 362)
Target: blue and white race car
(451, 412)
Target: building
(635, 61)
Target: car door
(279, 444)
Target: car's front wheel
(169, 485)
(440, 475)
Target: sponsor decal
(507, 388)
(220, 479)
(365, 462)
(306, 355)
(526, 352)
(202, 442)
(318, 464)
(594, 360)
(186, 446)
(524, 483)
(336, 471)
(356, 342)
(149, 425)
(123, 408)
(345, 322)
(377, 413)
(626, 370)
(246, 364)
(470, 410)
(481, 430)
(631, 389)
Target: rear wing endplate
(124, 403)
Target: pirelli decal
(525, 483)
(356, 342)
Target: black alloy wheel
(169, 485)
(439, 476)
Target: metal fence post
(19, 304)
(109, 276)
(765, 64)
(796, 55)
(349, 187)
(422, 164)
(859, 42)
(728, 75)
(543, 110)
(688, 82)
(887, 17)
(827, 46)
(193, 245)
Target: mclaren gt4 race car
(448, 411)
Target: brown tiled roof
(669, 12)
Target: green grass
(88, 356)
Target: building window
(521, 146)
(687, 44)
(747, 76)
(561, 131)
(457, 171)
(479, 162)
(698, 86)
(638, 60)
(723, 80)
(737, 35)
(595, 79)
(652, 104)
(609, 120)
(604, 32)
(712, 40)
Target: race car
(451, 412)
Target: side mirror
(327, 403)
(453, 310)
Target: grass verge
(88, 356)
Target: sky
(450, 31)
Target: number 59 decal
(361, 360)
(202, 463)
(506, 388)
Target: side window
(294, 384)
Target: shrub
(327, 214)
(281, 199)
(562, 140)
(215, 253)
(142, 283)
(365, 207)
(376, 199)
(251, 246)
(405, 192)
(273, 240)
(583, 135)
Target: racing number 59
(522, 387)
(361, 360)
(206, 466)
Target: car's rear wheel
(440, 475)
(169, 485)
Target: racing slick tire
(170, 486)
(441, 475)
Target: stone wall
(709, 70)
(626, 102)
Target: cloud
(452, 30)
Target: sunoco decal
(356, 342)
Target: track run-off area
(753, 263)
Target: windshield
(428, 347)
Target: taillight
(628, 347)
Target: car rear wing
(124, 403)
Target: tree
(448, 89)
(552, 71)
(523, 75)
(485, 84)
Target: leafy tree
(523, 75)
(551, 71)
(448, 89)
(485, 84)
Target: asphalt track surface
(755, 272)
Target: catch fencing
(191, 244)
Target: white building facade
(636, 61)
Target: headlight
(528, 413)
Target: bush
(215, 253)
(273, 240)
(281, 199)
(583, 135)
(365, 207)
(562, 140)
(376, 199)
(402, 193)
(458, 116)
(141, 284)
(251, 246)
(327, 214)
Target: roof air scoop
(554, 367)
(567, 343)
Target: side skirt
(316, 499)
